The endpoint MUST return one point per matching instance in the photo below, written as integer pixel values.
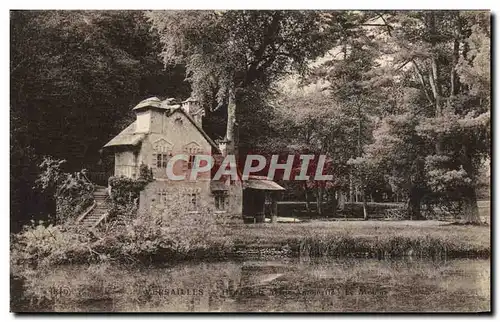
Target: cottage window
(191, 149)
(162, 160)
(162, 197)
(220, 200)
(162, 152)
(193, 201)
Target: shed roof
(261, 183)
(216, 185)
(127, 137)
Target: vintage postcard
(250, 161)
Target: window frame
(162, 159)
(221, 197)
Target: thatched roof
(127, 137)
(149, 102)
(155, 102)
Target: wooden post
(274, 209)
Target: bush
(174, 231)
(161, 236)
(71, 192)
(74, 196)
(125, 190)
(39, 245)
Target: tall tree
(308, 121)
(460, 124)
(433, 54)
(350, 73)
(233, 56)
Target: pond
(271, 285)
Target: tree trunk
(413, 206)
(351, 189)
(454, 79)
(306, 194)
(341, 200)
(274, 209)
(365, 208)
(319, 200)
(434, 79)
(334, 203)
(471, 210)
(231, 121)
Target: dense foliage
(71, 192)
(74, 76)
(398, 101)
(234, 58)
(402, 101)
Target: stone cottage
(161, 130)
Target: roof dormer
(143, 112)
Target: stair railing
(94, 204)
(89, 210)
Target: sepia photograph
(250, 161)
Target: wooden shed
(259, 199)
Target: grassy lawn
(271, 232)
(374, 235)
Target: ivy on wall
(125, 191)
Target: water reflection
(270, 286)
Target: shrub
(71, 192)
(125, 190)
(73, 197)
(174, 230)
(160, 236)
(40, 245)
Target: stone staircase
(98, 211)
